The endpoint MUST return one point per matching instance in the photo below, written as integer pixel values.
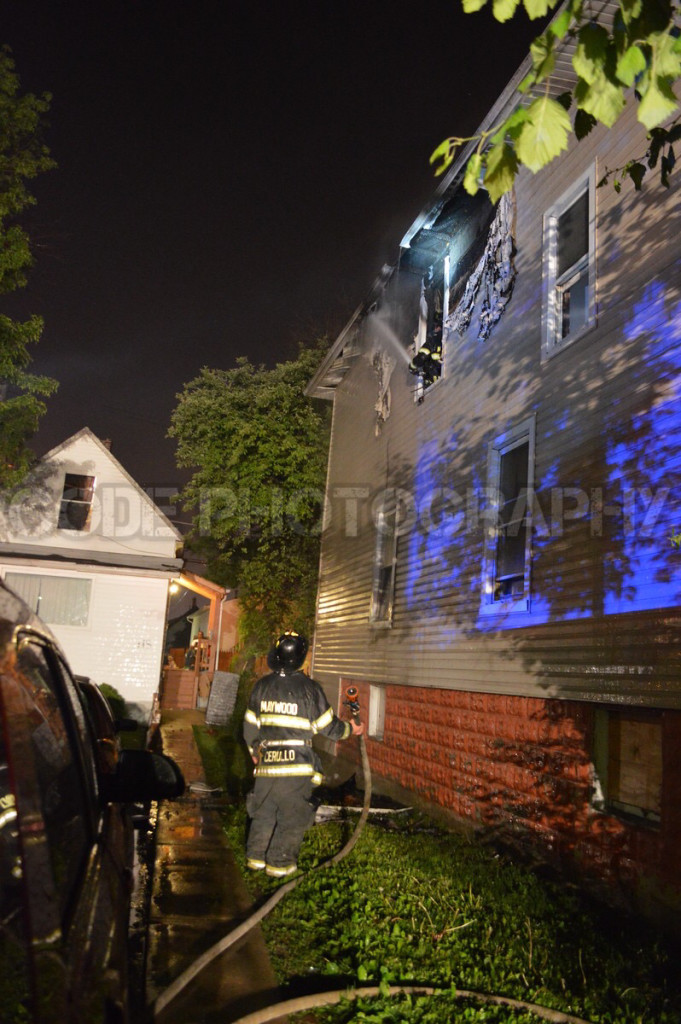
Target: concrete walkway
(198, 897)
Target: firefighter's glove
(357, 727)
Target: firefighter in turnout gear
(285, 710)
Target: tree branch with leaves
(22, 157)
(635, 53)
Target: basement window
(75, 508)
(376, 724)
(627, 759)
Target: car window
(70, 690)
(14, 981)
(56, 751)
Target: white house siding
(128, 550)
(124, 521)
(122, 643)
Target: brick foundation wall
(522, 767)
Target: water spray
(387, 334)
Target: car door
(72, 855)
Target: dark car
(65, 850)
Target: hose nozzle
(352, 699)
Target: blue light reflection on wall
(645, 464)
(640, 489)
(435, 541)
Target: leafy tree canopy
(258, 448)
(22, 157)
(638, 55)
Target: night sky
(231, 177)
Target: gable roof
(128, 530)
(85, 432)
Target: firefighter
(427, 363)
(285, 710)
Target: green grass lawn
(416, 903)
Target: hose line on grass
(320, 999)
(175, 987)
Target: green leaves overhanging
(636, 59)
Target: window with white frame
(510, 481)
(570, 265)
(58, 600)
(385, 557)
(627, 759)
(76, 502)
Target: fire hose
(246, 926)
(320, 999)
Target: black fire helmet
(288, 654)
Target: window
(427, 361)
(510, 478)
(627, 756)
(569, 265)
(76, 502)
(385, 554)
(376, 722)
(58, 600)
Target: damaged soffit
(345, 349)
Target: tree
(22, 157)
(639, 53)
(258, 448)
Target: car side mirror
(141, 776)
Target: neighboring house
(91, 553)
(211, 645)
(496, 572)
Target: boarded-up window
(628, 762)
(76, 502)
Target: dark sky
(231, 176)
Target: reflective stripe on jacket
(284, 713)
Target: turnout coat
(284, 713)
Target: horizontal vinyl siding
(123, 642)
(605, 418)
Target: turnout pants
(281, 812)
